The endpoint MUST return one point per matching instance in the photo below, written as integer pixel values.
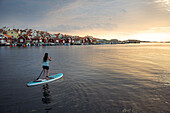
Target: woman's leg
(44, 70)
(47, 74)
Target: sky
(147, 20)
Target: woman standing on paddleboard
(46, 61)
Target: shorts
(46, 67)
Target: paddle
(39, 75)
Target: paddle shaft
(39, 75)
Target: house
(37, 39)
(72, 39)
(1, 31)
(132, 41)
(54, 41)
(8, 38)
(57, 40)
(29, 33)
(94, 40)
(69, 40)
(4, 38)
(63, 41)
(47, 35)
(60, 35)
(83, 40)
(45, 39)
(51, 40)
(6, 28)
(77, 40)
(23, 39)
(88, 39)
(4, 32)
(53, 36)
(13, 34)
(23, 32)
(114, 41)
(33, 33)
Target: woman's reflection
(46, 96)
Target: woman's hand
(50, 59)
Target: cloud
(80, 16)
(128, 15)
(72, 28)
(164, 3)
(28, 11)
(85, 14)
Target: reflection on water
(46, 93)
(46, 97)
(129, 78)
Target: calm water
(97, 79)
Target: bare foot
(47, 78)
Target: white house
(4, 38)
(60, 36)
(53, 36)
(6, 28)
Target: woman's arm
(50, 59)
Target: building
(4, 38)
(77, 41)
(23, 40)
(37, 39)
(51, 40)
(13, 34)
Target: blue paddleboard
(42, 81)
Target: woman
(46, 60)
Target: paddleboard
(42, 81)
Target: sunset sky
(147, 20)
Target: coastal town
(30, 37)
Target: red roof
(37, 37)
(57, 38)
(76, 39)
(16, 30)
(7, 35)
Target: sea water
(125, 78)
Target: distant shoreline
(66, 44)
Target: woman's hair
(45, 57)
